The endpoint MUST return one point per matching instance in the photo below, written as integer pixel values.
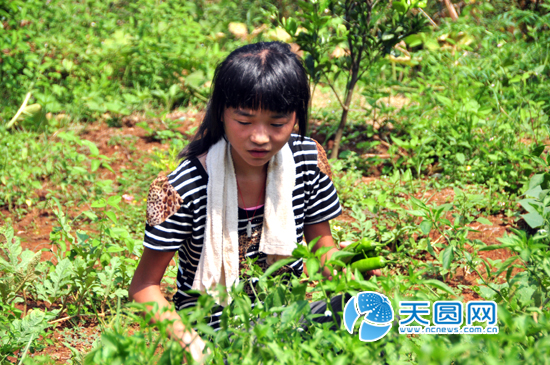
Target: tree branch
(429, 18)
(334, 90)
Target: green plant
(18, 267)
(363, 31)
(537, 201)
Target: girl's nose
(259, 136)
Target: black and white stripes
(314, 200)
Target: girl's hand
(194, 345)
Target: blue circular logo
(377, 311)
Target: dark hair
(266, 75)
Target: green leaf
(323, 250)
(533, 219)
(418, 213)
(301, 252)
(485, 221)
(370, 203)
(534, 192)
(91, 215)
(277, 265)
(118, 232)
(94, 164)
(414, 40)
(525, 294)
(444, 100)
(420, 4)
(293, 312)
(487, 293)
(312, 265)
(536, 180)
(530, 204)
(312, 243)
(506, 264)
(537, 150)
(400, 6)
(338, 255)
(57, 282)
(491, 248)
(94, 151)
(515, 79)
(108, 167)
(114, 249)
(430, 248)
(196, 79)
(460, 158)
(114, 200)
(399, 142)
(336, 262)
(100, 203)
(111, 216)
(439, 285)
(426, 226)
(306, 7)
(447, 257)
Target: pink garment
(253, 208)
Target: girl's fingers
(376, 272)
(345, 244)
(344, 270)
(335, 273)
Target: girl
(248, 187)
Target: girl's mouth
(258, 153)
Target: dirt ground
(35, 227)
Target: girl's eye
(277, 125)
(242, 123)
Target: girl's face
(256, 135)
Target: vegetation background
(443, 159)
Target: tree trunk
(343, 120)
(451, 9)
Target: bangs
(263, 81)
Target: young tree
(347, 37)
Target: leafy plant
(18, 267)
(353, 36)
(537, 201)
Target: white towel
(219, 262)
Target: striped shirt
(314, 200)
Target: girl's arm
(322, 229)
(312, 231)
(145, 287)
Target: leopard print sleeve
(322, 161)
(162, 201)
